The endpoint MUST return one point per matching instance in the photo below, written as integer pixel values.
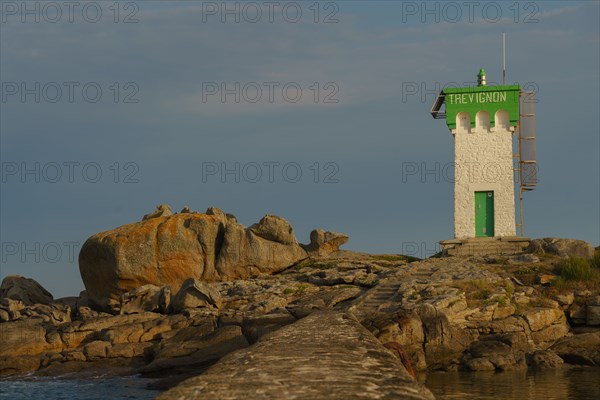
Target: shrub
(576, 269)
(527, 274)
(297, 290)
(302, 288)
(502, 260)
(482, 294)
(561, 284)
(595, 261)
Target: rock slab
(562, 247)
(326, 355)
(27, 290)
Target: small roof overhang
(436, 112)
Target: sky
(314, 111)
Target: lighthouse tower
(482, 120)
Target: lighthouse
(482, 120)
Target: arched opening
(482, 121)
(502, 120)
(463, 122)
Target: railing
(526, 155)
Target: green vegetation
(595, 261)
(395, 257)
(576, 269)
(498, 260)
(482, 294)
(476, 291)
(344, 286)
(329, 265)
(488, 302)
(545, 256)
(527, 270)
(309, 263)
(527, 274)
(577, 273)
(304, 264)
(295, 290)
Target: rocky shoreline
(198, 296)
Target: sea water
(565, 384)
(129, 387)
(561, 384)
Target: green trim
(470, 89)
(482, 98)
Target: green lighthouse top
(473, 99)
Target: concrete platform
(485, 246)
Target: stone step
(484, 246)
(380, 294)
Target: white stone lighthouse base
(484, 246)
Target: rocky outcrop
(158, 251)
(26, 337)
(581, 307)
(443, 342)
(592, 313)
(25, 290)
(481, 313)
(166, 250)
(243, 253)
(162, 210)
(562, 247)
(492, 354)
(275, 229)
(582, 349)
(9, 309)
(194, 293)
(293, 362)
(323, 243)
(544, 360)
(23, 298)
(195, 348)
(146, 298)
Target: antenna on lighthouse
(503, 58)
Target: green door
(484, 214)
